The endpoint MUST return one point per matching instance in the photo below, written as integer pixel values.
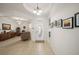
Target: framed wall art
(77, 19)
(6, 26)
(52, 25)
(55, 23)
(67, 23)
(49, 34)
(58, 23)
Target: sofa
(7, 35)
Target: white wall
(64, 41)
(13, 23)
(8, 21)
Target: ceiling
(23, 10)
(45, 7)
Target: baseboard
(39, 41)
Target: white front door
(39, 29)
(39, 32)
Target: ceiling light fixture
(37, 10)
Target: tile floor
(15, 46)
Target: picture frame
(77, 19)
(6, 26)
(24, 27)
(67, 23)
(52, 25)
(55, 23)
(49, 34)
(58, 23)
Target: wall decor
(56, 23)
(77, 19)
(59, 23)
(52, 25)
(67, 23)
(24, 27)
(49, 34)
(6, 26)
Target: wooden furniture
(18, 31)
(25, 36)
(7, 35)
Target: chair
(25, 36)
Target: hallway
(55, 23)
(15, 46)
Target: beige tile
(15, 46)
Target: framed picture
(6, 26)
(58, 23)
(24, 27)
(67, 23)
(49, 34)
(77, 19)
(52, 25)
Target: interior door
(39, 32)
